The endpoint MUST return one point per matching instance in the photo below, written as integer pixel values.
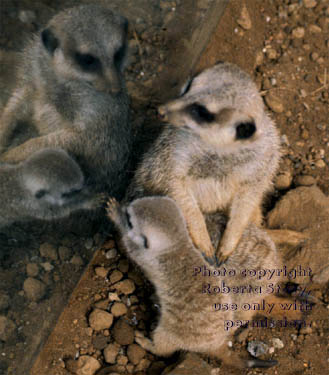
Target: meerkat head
(87, 43)
(221, 104)
(50, 178)
(155, 226)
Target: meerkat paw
(112, 208)
(98, 200)
(143, 341)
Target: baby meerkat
(48, 185)
(219, 151)
(71, 94)
(155, 236)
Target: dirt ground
(284, 45)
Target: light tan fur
(154, 234)
(203, 161)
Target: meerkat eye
(87, 62)
(40, 194)
(119, 56)
(145, 241)
(200, 113)
(130, 226)
(186, 87)
(245, 130)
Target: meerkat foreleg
(242, 212)
(161, 344)
(15, 112)
(60, 139)
(195, 222)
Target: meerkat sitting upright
(155, 236)
(219, 151)
(48, 185)
(71, 94)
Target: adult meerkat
(71, 94)
(219, 151)
(48, 185)
(155, 236)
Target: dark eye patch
(87, 62)
(245, 130)
(200, 113)
(119, 56)
(40, 193)
(146, 244)
(130, 226)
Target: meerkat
(155, 236)
(48, 185)
(71, 94)
(219, 151)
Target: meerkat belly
(211, 194)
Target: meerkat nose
(162, 111)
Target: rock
(298, 32)
(305, 180)
(111, 352)
(7, 328)
(65, 253)
(283, 181)
(277, 343)
(273, 103)
(77, 260)
(309, 3)
(271, 54)
(89, 243)
(110, 254)
(32, 269)
(320, 163)
(47, 266)
(257, 348)
(123, 265)
(143, 365)
(244, 21)
(122, 360)
(192, 364)
(126, 286)
(34, 289)
(113, 297)
(315, 29)
(101, 272)
(306, 331)
(85, 365)
(48, 251)
(4, 301)
(100, 319)
(123, 333)
(100, 341)
(135, 353)
(119, 309)
(115, 276)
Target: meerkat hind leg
(161, 344)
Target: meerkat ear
(49, 40)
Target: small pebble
(34, 289)
(135, 353)
(274, 103)
(257, 348)
(118, 309)
(126, 286)
(100, 319)
(277, 343)
(32, 269)
(48, 250)
(111, 352)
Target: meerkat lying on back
(219, 151)
(71, 94)
(155, 236)
(48, 185)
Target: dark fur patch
(200, 113)
(215, 166)
(49, 40)
(245, 130)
